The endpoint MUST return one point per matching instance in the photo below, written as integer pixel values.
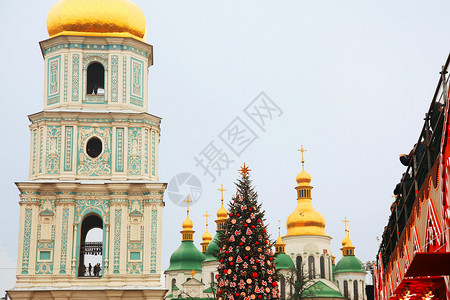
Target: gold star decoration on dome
(244, 170)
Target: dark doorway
(95, 79)
(91, 247)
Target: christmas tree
(246, 265)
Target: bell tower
(93, 188)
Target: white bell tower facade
(93, 165)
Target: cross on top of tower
(187, 201)
(206, 216)
(346, 223)
(221, 192)
(302, 150)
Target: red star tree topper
(246, 264)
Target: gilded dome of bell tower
(117, 18)
(305, 220)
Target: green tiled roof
(213, 248)
(320, 290)
(348, 263)
(283, 261)
(187, 257)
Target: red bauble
(245, 224)
(249, 209)
(240, 244)
(217, 277)
(259, 296)
(255, 274)
(224, 271)
(226, 252)
(221, 260)
(231, 263)
(237, 294)
(264, 231)
(256, 243)
(231, 214)
(267, 242)
(274, 283)
(271, 258)
(238, 215)
(257, 261)
(253, 226)
(259, 220)
(246, 257)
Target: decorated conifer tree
(246, 265)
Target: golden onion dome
(303, 178)
(222, 213)
(207, 236)
(187, 224)
(305, 220)
(118, 18)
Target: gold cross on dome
(188, 201)
(244, 170)
(221, 191)
(302, 150)
(346, 223)
(206, 216)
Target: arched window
(355, 289)
(174, 282)
(95, 83)
(345, 289)
(299, 268)
(90, 261)
(283, 288)
(311, 267)
(322, 267)
(337, 283)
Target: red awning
(429, 264)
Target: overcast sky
(351, 81)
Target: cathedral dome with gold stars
(305, 220)
(117, 18)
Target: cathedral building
(93, 162)
(303, 258)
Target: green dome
(213, 248)
(186, 257)
(283, 262)
(348, 263)
(320, 290)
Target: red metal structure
(413, 261)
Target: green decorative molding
(96, 47)
(53, 78)
(124, 83)
(68, 156)
(100, 165)
(120, 133)
(64, 240)
(66, 71)
(75, 77)
(114, 78)
(146, 145)
(134, 150)
(26, 240)
(53, 149)
(117, 229)
(153, 240)
(34, 153)
(136, 82)
(153, 153)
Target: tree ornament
(249, 281)
(267, 290)
(233, 221)
(248, 221)
(252, 296)
(247, 248)
(256, 243)
(254, 274)
(274, 284)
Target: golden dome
(305, 220)
(347, 246)
(222, 213)
(207, 236)
(303, 178)
(187, 224)
(119, 18)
